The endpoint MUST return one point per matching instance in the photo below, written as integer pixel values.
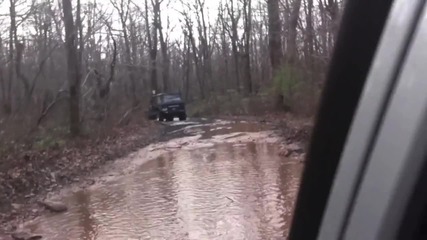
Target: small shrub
(50, 138)
(48, 142)
(287, 82)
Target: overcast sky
(170, 10)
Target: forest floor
(27, 177)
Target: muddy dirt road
(213, 180)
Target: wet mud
(213, 180)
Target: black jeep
(167, 106)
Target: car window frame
(355, 48)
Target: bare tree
(247, 15)
(233, 34)
(188, 28)
(127, 48)
(292, 38)
(309, 38)
(72, 66)
(123, 10)
(152, 40)
(274, 31)
(163, 44)
(204, 44)
(7, 106)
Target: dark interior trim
(414, 224)
(361, 28)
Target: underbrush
(54, 162)
(291, 91)
(231, 103)
(294, 92)
(299, 99)
(22, 132)
(36, 157)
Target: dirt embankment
(293, 129)
(26, 175)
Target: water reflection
(241, 191)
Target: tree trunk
(196, 59)
(275, 44)
(197, 66)
(323, 29)
(81, 40)
(247, 6)
(18, 62)
(124, 13)
(205, 46)
(234, 40)
(7, 105)
(129, 63)
(152, 47)
(292, 39)
(187, 67)
(274, 33)
(333, 10)
(225, 56)
(225, 48)
(309, 39)
(72, 68)
(164, 48)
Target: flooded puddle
(218, 127)
(228, 185)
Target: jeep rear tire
(169, 119)
(161, 118)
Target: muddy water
(231, 184)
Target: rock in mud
(56, 207)
(25, 236)
(284, 152)
(296, 148)
(16, 206)
(290, 149)
(303, 157)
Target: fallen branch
(105, 91)
(127, 114)
(46, 111)
(87, 77)
(40, 70)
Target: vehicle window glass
(232, 93)
(171, 98)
